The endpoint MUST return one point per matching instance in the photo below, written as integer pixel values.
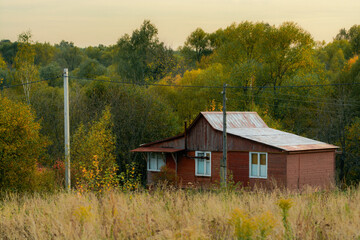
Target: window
(258, 165)
(203, 163)
(155, 161)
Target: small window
(155, 161)
(203, 163)
(258, 165)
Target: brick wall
(314, 169)
(276, 176)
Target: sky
(94, 22)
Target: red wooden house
(256, 153)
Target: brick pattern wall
(186, 170)
(276, 175)
(238, 166)
(313, 169)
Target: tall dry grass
(181, 214)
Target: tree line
(295, 83)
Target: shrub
(94, 178)
(45, 180)
(166, 175)
(130, 179)
(21, 146)
(245, 227)
(93, 154)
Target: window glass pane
(262, 170)
(254, 158)
(160, 161)
(263, 166)
(208, 167)
(200, 166)
(262, 159)
(254, 170)
(152, 163)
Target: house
(256, 154)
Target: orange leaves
(93, 177)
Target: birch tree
(26, 71)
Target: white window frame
(266, 166)
(157, 161)
(205, 160)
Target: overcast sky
(93, 22)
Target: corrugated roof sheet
(235, 120)
(279, 139)
(250, 126)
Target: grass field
(183, 214)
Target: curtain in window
(254, 164)
(262, 165)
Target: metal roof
(235, 120)
(157, 149)
(250, 126)
(279, 139)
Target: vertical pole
(223, 165)
(67, 131)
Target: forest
(140, 90)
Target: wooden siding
(313, 169)
(173, 143)
(203, 137)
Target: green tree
(91, 68)
(26, 71)
(352, 148)
(68, 55)
(196, 46)
(353, 36)
(8, 51)
(3, 73)
(94, 142)
(45, 53)
(142, 57)
(48, 103)
(2, 62)
(100, 53)
(52, 72)
(21, 146)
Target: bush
(45, 180)
(21, 146)
(93, 155)
(166, 175)
(130, 179)
(93, 177)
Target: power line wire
(219, 87)
(238, 87)
(306, 101)
(27, 83)
(146, 84)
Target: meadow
(183, 214)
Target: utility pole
(223, 164)
(67, 130)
